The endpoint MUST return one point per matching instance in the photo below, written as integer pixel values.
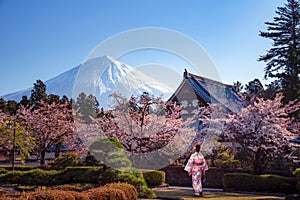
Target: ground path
(187, 193)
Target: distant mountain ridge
(101, 77)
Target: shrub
(106, 193)
(9, 195)
(218, 163)
(21, 167)
(275, 183)
(68, 187)
(38, 177)
(13, 177)
(114, 191)
(262, 183)
(235, 164)
(50, 195)
(35, 177)
(129, 190)
(3, 170)
(109, 151)
(239, 181)
(90, 160)
(138, 182)
(80, 175)
(155, 178)
(67, 159)
(297, 173)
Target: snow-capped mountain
(101, 77)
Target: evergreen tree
(272, 89)
(254, 88)
(12, 107)
(53, 98)
(24, 102)
(3, 106)
(64, 99)
(38, 93)
(238, 86)
(283, 59)
(87, 107)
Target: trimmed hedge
(155, 178)
(24, 167)
(81, 175)
(2, 170)
(106, 193)
(35, 177)
(261, 183)
(73, 175)
(139, 182)
(129, 190)
(297, 174)
(114, 191)
(68, 187)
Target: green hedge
(116, 191)
(138, 181)
(155, 178)
(81, 175)
(297, 174)
(20, 167)
(2, 170)
(35, 177)
(91, 175)
(261, 183)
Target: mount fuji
(101, 77)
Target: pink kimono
(196, 166)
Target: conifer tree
(283, 59)
(87, 107)
(254, 88)
(38, 93)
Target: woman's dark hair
(197, 147)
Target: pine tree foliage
(38, 93)
(283, 59)
(254, 88)
(87, 107)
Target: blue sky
(41, 39)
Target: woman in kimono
(196, 166)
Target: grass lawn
(184, 194)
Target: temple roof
(210, 91)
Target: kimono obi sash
(198, 162)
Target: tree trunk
(43, 153)
(258, 163)
(57, 149)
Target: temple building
(195, 91)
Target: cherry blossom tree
(152, 131)
(212, 119)
(261, 128)
(142, 124)
(49, 124)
